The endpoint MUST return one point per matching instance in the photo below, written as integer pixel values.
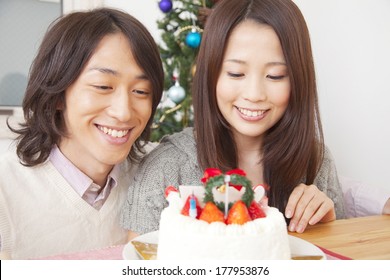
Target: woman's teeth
(250, 113)
(113, 132)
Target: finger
(311, 209)
(324, 213)
(320, 208)
(293, 200)
(305, 199)
(310, 194)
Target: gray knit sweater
(174, 162)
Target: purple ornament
(165, 6)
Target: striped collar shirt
(91, 192)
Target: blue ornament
(165, 6)
(193, 39)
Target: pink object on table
(109, 253)
(332, 255)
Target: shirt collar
(79, 181)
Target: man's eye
(103, 87)
(138, 91)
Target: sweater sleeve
(327, 181)
(164, 166)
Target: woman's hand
(308, 205)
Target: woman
(92, 92)
(255, 108)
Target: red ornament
(169, 189)
(210, 172)
(236, 171)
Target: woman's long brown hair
(292, 149)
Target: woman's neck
(249, 159)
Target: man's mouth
(113, 132)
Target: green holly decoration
(235, 179)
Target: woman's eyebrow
(234, 60)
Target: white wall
(19, 45)
(351, 44)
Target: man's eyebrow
(142, 77)
(104, 70)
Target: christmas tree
(181, 32)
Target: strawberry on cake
(224, 219)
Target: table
(365, 238)
(356, 238)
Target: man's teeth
(250, 113)
(113, 132)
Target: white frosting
(182, 237)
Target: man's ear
(60, 105)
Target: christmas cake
(224, 219)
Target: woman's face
(253, 87)
(107, 107)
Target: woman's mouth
(251, 113)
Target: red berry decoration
(255, 211)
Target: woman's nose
(254, 90)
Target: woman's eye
(276, 77)
(235, 75)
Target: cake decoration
(228, 198)
(225, 218)
(191, 207)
